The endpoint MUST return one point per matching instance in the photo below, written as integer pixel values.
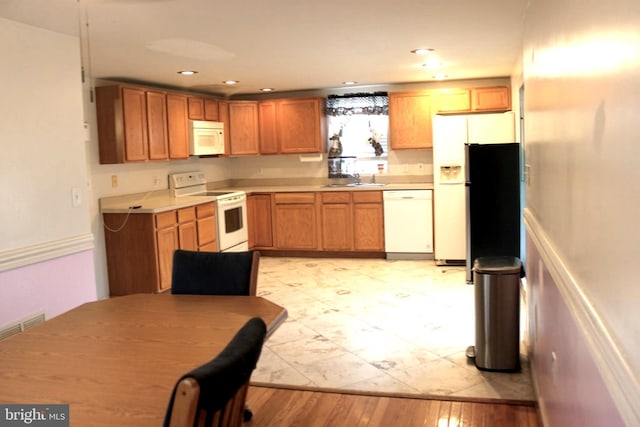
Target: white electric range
(231, 209)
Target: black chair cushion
(211, 273)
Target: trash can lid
(498, 265)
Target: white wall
(42, 153)
(46, 260)
(581, 64)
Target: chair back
(214, 394)
(215, 273)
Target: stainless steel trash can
(497, 313)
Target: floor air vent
(22, 325)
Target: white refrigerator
(450, 134)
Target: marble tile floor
(391, 326)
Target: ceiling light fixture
(187, 72)
(440, 76)
(231, 82)
(348, 83)
(266, 89)
(422, 51)
(433, 64)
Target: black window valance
(358, 103)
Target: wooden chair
(214, 394)
(215, 273)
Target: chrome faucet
(356, 177)
(373, 178)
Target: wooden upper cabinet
(268, 127)
(300, 125)
(453, 100)
(243, 128)
(157, 125)
(178, 126)
(196, 108)
(497, 98)
(410, 120)
(122, 124)
(203, 108)
(211, 111)
(135, 124)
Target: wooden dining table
(115, 361)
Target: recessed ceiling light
(230, 82)
(433, 64)
(349, 83)
(440, 76)
(266, 89)
(422, 51)
(187, 72)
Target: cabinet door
(211, 110)
(337, 227)
(188, 236)
(496, 98)
(410, 120)
(295, 221)
(300, 125)
(157, 125)
(207, 233)
(134, 113)
(259, 217)
(196, 108)
(178, 126)
(368, 227)
(268, 133)
(167, 243)
(243, 127)
(454, 101)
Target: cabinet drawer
(209, 247)
(294, 198)
(186, 214)
(205, 210)
(336, 197)
(367, 196)
(165, 219)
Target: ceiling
(287, 45)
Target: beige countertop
(162, 200)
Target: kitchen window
(358, 127)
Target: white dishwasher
(408, 224)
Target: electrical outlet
(114, 181)
(155, 181)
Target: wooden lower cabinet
(260, 221)
(140, 247)
(295, 221)
(368, 221)
(337, 221)
(352, 221)
(206, 231)
(330, 221)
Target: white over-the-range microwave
(206, 138)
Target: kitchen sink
(357, 184)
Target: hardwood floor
(279, 407)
